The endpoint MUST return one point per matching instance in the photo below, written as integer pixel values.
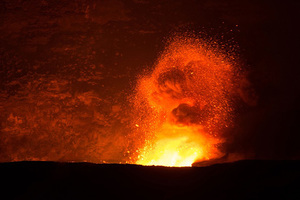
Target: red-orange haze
(184, 104)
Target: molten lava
(178, 146)
(184, 104)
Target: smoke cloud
(193, 88)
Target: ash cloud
(185, 114)
(269, 129)
(172, 85)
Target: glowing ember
(178, 146)
(184, 104)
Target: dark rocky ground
(240, 180)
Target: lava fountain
(184, 104)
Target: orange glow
(178, 146)
(184, 104)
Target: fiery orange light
(184, 104)
(178, 146)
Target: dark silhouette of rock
(248, 179)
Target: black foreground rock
(249, 179)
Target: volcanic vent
(184, 104)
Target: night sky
(68, 68)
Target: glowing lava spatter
(184, 103)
